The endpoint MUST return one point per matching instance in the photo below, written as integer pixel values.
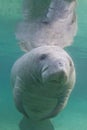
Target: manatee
(44, 77)
(47, 22)
(42, 81)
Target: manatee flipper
(17, 92)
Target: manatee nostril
(60, 64)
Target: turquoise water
(74, 116)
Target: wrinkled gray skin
(42, 81)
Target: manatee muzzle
(55, 73)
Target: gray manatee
(42, 81)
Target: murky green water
(74, 116)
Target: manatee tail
(47, 22)
(29, 124)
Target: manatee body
(42, 81)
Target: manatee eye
(43, 56)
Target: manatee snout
(55, 72)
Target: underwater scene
(74, 115)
